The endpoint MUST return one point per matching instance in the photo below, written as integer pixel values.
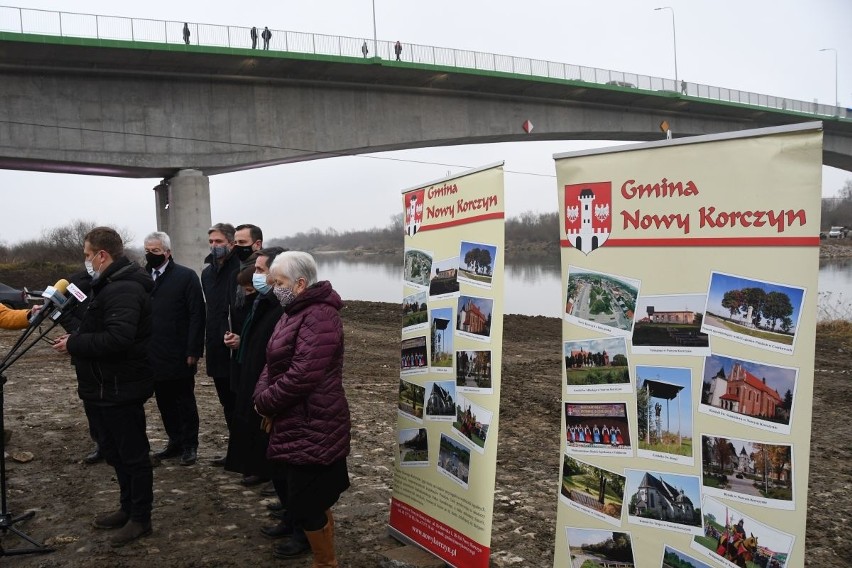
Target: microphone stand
(7, 521)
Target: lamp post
(674, 38)
(375, 40)
(836, 97)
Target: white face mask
(90, 268)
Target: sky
(765, 46)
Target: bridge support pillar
(183, 211)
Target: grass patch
(684, 449)
(769, 336)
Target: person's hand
(59, 344)
(190, 361)
(33, 312)
(232, 340)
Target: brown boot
(322, 544)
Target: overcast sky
(764, 46)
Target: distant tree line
(59, 245)
(837, 211)
(522, 231)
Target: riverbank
(549, 251)
(204, 517)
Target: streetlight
(836, 97)
(375, 41)
(674, 38)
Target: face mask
(259, 283)
(90, 268)
(219, 252)
(284, 295)
(155, 260)
(243, 252)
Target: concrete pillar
(183, 211)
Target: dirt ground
(204, 517)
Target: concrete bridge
(160, 109)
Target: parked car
(823, 235)
(739, 476)
(836, 233)
(12, 297)
(621, 84)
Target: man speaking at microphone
(114, 378)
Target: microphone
(54, 299)
(55, 294)
(76, 298)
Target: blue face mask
(259, 283)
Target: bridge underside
(108, 110)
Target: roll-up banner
(689, 284)
(449, 361)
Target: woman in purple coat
(300, 393)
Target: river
(532, 288)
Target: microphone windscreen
(61, 285)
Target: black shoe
(293, 547)
(94, 456)
(170, 451)
(252, 480)
(114, 520)
(130, 532)
(218, 461)
(284, 528)
(268, 490)
(189, 456)
(276, 506)
(280, 514)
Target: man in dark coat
(253, 34)
(114, 379)
(176, 346)
(219, 282)
(70, 322)
(266, 35)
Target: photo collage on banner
(689, 287)
(450, 359)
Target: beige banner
(450, 360)
(690, 291)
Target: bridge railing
(68, 24)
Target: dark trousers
(179, 411)
(124, 445)
(227, 398)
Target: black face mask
(243, 251)
(154, 260)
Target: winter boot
(322, 544)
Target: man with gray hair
(219, 282)
(176, 345)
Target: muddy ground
(204, 517)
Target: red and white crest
(588, 215)
(412, 203)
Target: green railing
(69, 24)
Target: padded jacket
(301, 386)
(13, 319)
(110, 348)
